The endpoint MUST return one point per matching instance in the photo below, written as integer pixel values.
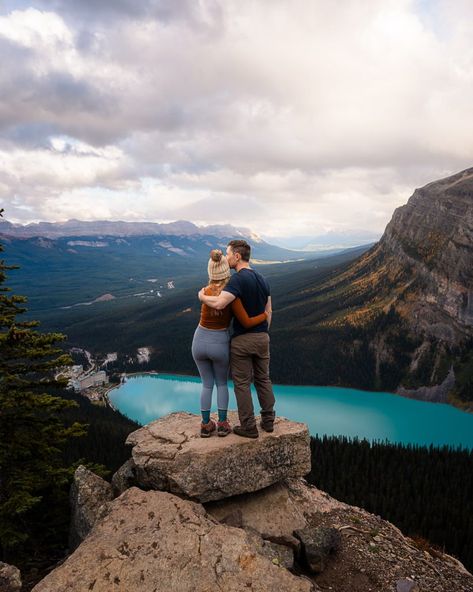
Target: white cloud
(288, 117)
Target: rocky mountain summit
(232, 514)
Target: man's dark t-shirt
(253, 290)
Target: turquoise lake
(327, 410)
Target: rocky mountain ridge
(433, 234)
(267, 530)
(423, 263)
(121, 228)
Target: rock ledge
(169, 455)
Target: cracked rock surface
(153, 541)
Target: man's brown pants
(249, 358)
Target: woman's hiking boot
(223, 428)
(206, 429)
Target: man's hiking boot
(206, 429)
(223, 428)
(267, 427)
(239, 431)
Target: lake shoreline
(376, 416)
(451, 400)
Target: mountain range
(61, 270)
(121, 228)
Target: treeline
(424, 491)
(102, 449)
(104, 444)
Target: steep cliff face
(407, 301)
(432, 235)
(423, 263)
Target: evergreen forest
(427, 492)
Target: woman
(211, 345)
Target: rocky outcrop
(169, 455)
(88, 494)
(372, 553)
(437, 393)
(152, 541)
(286, 536)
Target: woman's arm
(269, 311)
(239, 311)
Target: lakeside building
(99, 378)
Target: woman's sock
(205, 416)
(222, 415)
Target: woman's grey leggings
(211, 353)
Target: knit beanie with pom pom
(218, 267)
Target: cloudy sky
(291, 117)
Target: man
(249, 349)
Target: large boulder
(10, 578)
(271, 511)
(88, 496)
(169, 455)
(152, 541)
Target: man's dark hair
(242, 247)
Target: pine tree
(32, 430)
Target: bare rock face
(88, 494)
(170, 455)
(279, 513)
(433, 234)
(437, 393)
(317, 544)
(155, 541)
(272, 512)
(152, 541)
(10, 578)
(124, 478)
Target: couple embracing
(245, 298)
